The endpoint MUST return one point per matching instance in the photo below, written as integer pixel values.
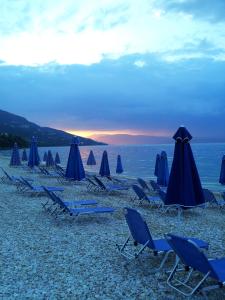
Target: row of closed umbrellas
(184, 186)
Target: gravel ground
(76, 258)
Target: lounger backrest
(223, 195)
(143, 184)
(154, 185)
(190, 254)
(55, 198)
(138, 227)
(209, 196)
(162, 195)
(90, 180)
(139, 192)
(7, 175)
(27, 182)
(100, 183)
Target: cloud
(116, 95)
(86, 31)
(140, 63)
(209, 10)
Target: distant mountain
(132, 139)
(125, 139)
(19, 126)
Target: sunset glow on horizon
(96, 133)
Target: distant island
(14, 128)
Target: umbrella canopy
(163, 170)
(222, 171)
(24, 155)
(157, 165)
(49, 160)
(15, 157)
(45, 156)
(184, 185)
(75, 169)
(119, 167)
(34, 158)
(104, 168)
(57, 159)
(91, 159)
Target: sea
(139, 160)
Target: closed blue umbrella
(157, 160)
(222, 171)
(24, 155)
(75, 169)
(104, 168)
(57, 159)
(45, 156)
(34, 158)
(184, 185)
(49, 160)
(163, 170)
(15, 157)
(91, 159)
(119, 167)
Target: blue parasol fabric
(15, 157)
(34, 158)
(184, 187)
(57, 159)
(104, 168)
(45, 156)
(91, 159)
(24, 155)
(222, 171)
(75, 169)
(49, 160)
(157, 160)
(119, 167)
(163, 170)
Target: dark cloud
(211, 10)
(119, 95)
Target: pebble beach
(77, 257)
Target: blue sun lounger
(64, 208)
(194, 260)
(211, 198)
(142, 197)
(141, 238)
(109, 188)
(57, 201)
(143, 184)
(36, 189)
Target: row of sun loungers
(190, 258)
(189, 251)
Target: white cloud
(85, 31)
(140, 63)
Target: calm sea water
(139, 160)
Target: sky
(98, 68)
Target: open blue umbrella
(34, 158)
(163, 170)
(222, 171)
(91, 159)
(45, 156)
(24, 155)
(157, 160)
(49, 160)
(119, 167)
(184, 185)
(15, 157)
(75, 169)
(57, 159)
(104, 168)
